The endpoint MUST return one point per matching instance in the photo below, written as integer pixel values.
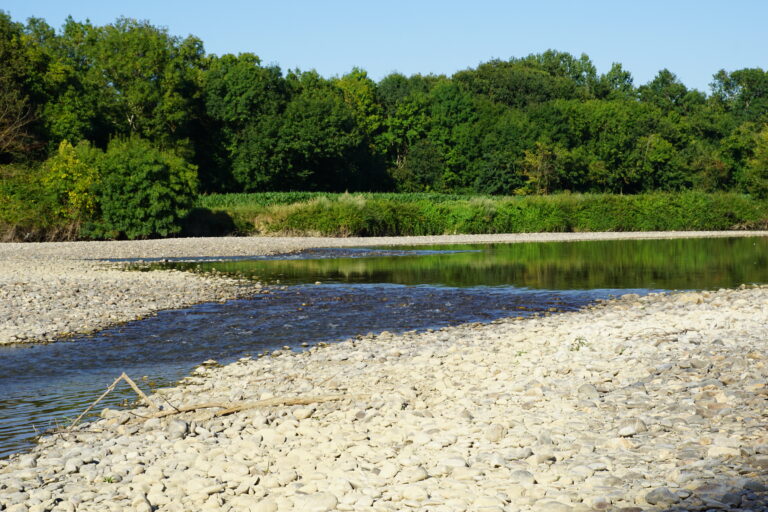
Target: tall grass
(390, 214)
(301, 213)
(258, 199)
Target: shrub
(72, 176)
(145, 192)
(26, 206)
(434, 214)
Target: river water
(360, 291)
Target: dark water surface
(362, 290)
(652, 264)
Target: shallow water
(659, 264)
(362, 291)
(47, 385)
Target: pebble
(415, 493)
(587, 392)
(662, 496)
(319, 502)
(522, 477)
(177, 429)
(267, 505)
(632, 426)
(495, 433)
(411, 475)
(303, 413)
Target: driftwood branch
(109, 389)
(226, 407)
(138, 391)
(233, 407)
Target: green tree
(669, 94)
(659, 165)
(17, 113)
(144, 191)
(534, 79)
(581, 71)
(757, 166)
(421, 170)
(736, 149)
(407, 124)
(244, 102)
(606, 133)
(72, 176)
(68, 102)
(708, 170)
(452, 115)
(393, 89)
(360, 94)
(15, 119)
(515, 84)
(542, 165)
(319, 142)
(146, 80)
(615, 84)
(743, 92)
(504, 136)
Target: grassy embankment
(305, 213)
(390, 214)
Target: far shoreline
(88, 251)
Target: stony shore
(640, 403)
(51, 290)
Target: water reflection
(666, 264)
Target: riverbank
(638, 403)
(51, 290)
(386, 214)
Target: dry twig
(233, 407)
(109, 389)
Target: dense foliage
(387, 214)
(535, 125)
(144, 192)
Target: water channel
(330, 295)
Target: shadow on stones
(746, 493)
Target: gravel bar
(639, 403)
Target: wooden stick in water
(139, 392)
(111, 387)
(108, 391)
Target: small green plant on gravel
(578, 343)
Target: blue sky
(693, 39)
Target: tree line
(72, 99)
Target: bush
(27, 207)
(425, 214)
(145, 192)
(72, 176)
